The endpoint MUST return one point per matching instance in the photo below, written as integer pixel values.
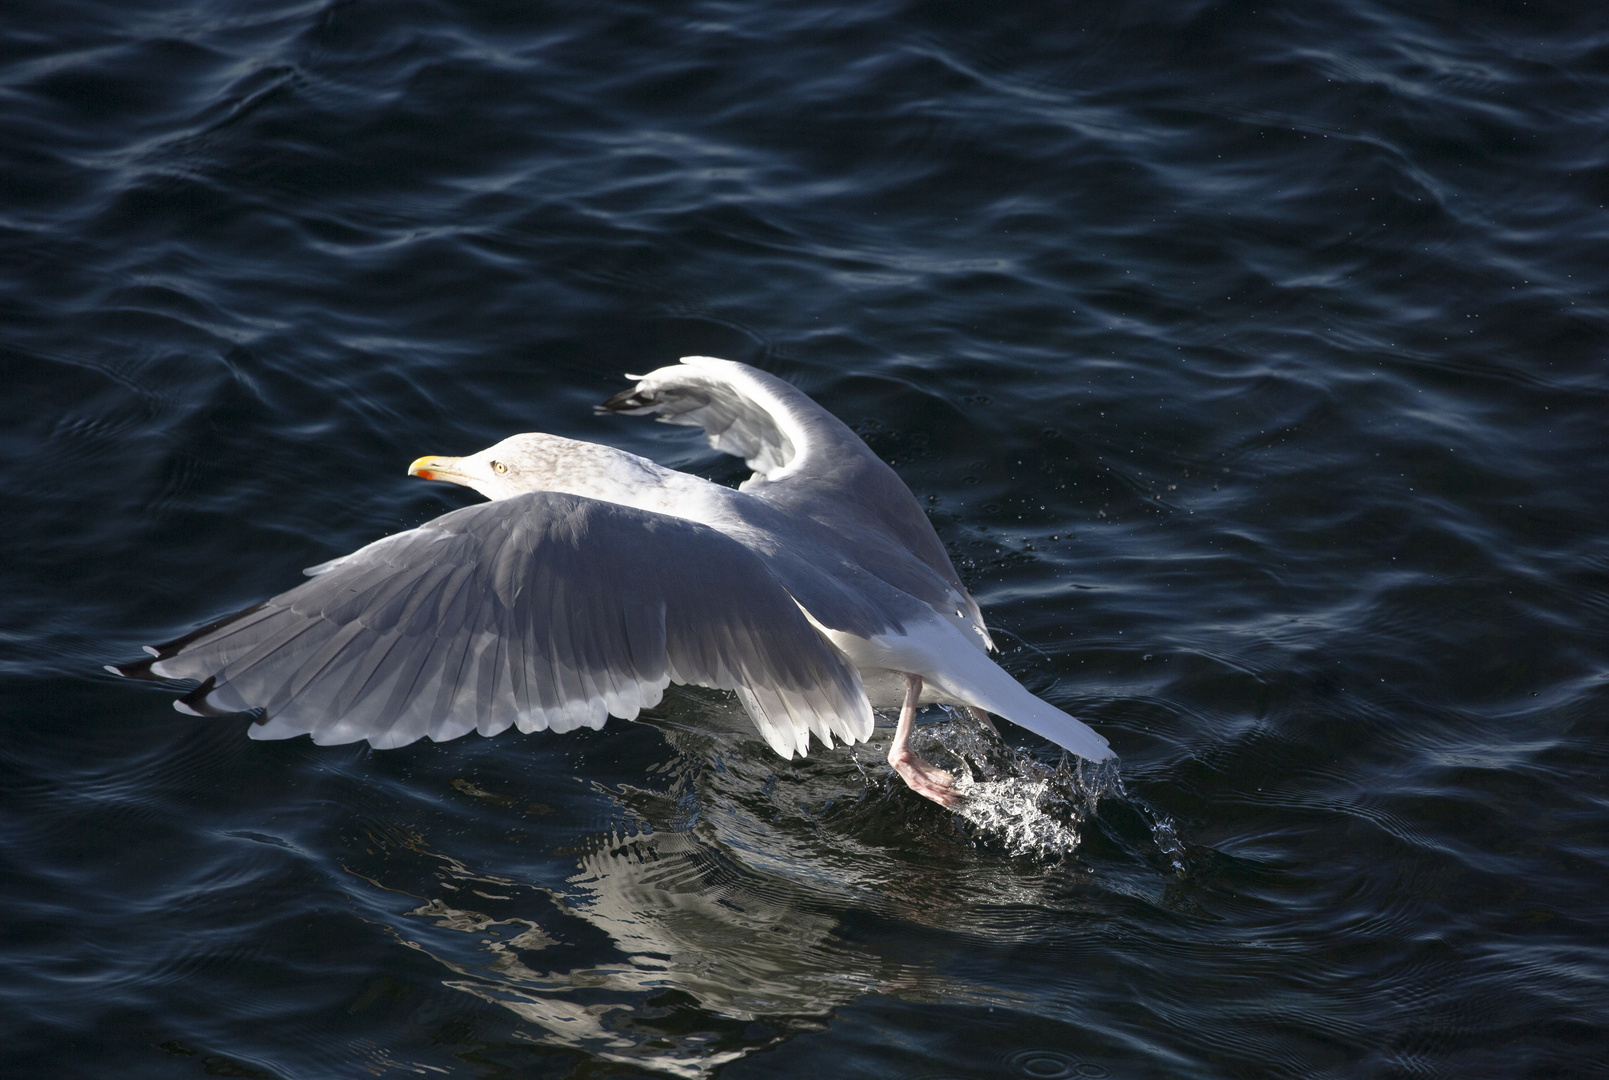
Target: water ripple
(1248, 360)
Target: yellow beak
(438, 468)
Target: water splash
(1015, 800)
(1030, 807)
(1163, 834)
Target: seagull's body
(816, 590)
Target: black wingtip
(627, 401)
(139, 669)
(155, 654)
(195, 703)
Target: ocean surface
(1251, 359)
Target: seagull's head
(538, 462)
(518, 464)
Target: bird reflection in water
(741, 908)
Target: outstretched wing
(541, 611)
(804, 459)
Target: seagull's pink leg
(919, 776)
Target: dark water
(1252, 361)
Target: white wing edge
(738, 378)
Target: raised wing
(541, 611)
(805, 460)
(770, 424)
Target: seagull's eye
(499, 468)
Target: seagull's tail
(959, 672)
(979, 681)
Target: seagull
(816, 590)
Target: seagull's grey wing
(805, 461)
(771, 424)
(539, 611)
